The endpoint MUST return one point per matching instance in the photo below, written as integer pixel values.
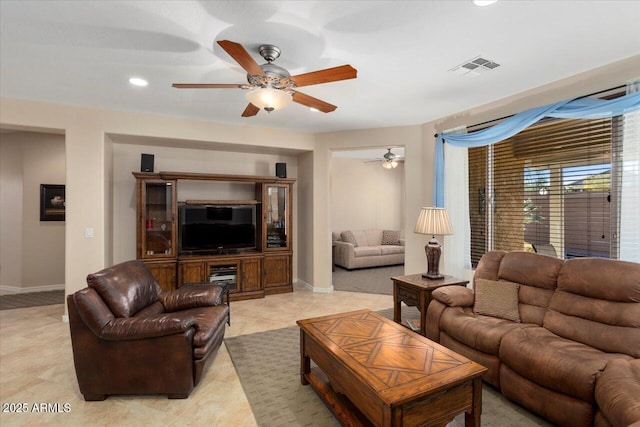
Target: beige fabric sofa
(368, 248)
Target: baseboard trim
(29, 289)
(303, 283)
(313, 288)
(323, 290)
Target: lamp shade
(433, 221)
(268, 98)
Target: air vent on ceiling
(474, 67)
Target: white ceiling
(83, 53)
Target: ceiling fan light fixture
(268, 98)
(271, 87)
(390, 164)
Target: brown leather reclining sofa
(130, 337)
(573, 356)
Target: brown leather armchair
(130, 337)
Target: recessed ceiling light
(484, 2)
(136, 81)
(313, 109)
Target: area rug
(375, 280)
(31, 299)
(268, 365)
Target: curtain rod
(511, 115)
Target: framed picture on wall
(52, 202)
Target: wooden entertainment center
(249, 272)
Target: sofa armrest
(454, 296)
(344, 246)
(434, 313)
(134, 328)
(401, 242)
(191, 296)
(345, 254)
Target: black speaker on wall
(146, 163)
(281, 170)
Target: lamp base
(433, 251)
(433, 276)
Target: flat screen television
(216, 228)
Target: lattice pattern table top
(390, 355)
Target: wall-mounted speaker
(281, 170)
(146, 163)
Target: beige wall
(598, 79)
(589, 82)
(126, 158)
(365, 195)
(304, 207)
(32, 251)
(419, 145)
(321, 235)
(89, 134)
(108, 231)
(88, 164)
(415, 178)
(11, 242)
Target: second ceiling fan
(270, 86)
(389, 160)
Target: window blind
(627, 187)
(554, 188)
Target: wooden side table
(415, 291)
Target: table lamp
(433, 221)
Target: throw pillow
(497, 299)
(390, 237)
(347, 236)
(361, 237)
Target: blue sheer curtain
(580, 108)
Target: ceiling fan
(389, 160)
(272, 87)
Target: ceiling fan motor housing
(275, 77)
(388, 156)
(269, 52)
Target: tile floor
(36, 366)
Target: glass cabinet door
(276, 216)
(159, 233)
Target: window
(554, 188)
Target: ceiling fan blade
(208, 86)
(335, 74)
(241, 56)
(312, 102)
(250, 111)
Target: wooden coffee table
(373, 371)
